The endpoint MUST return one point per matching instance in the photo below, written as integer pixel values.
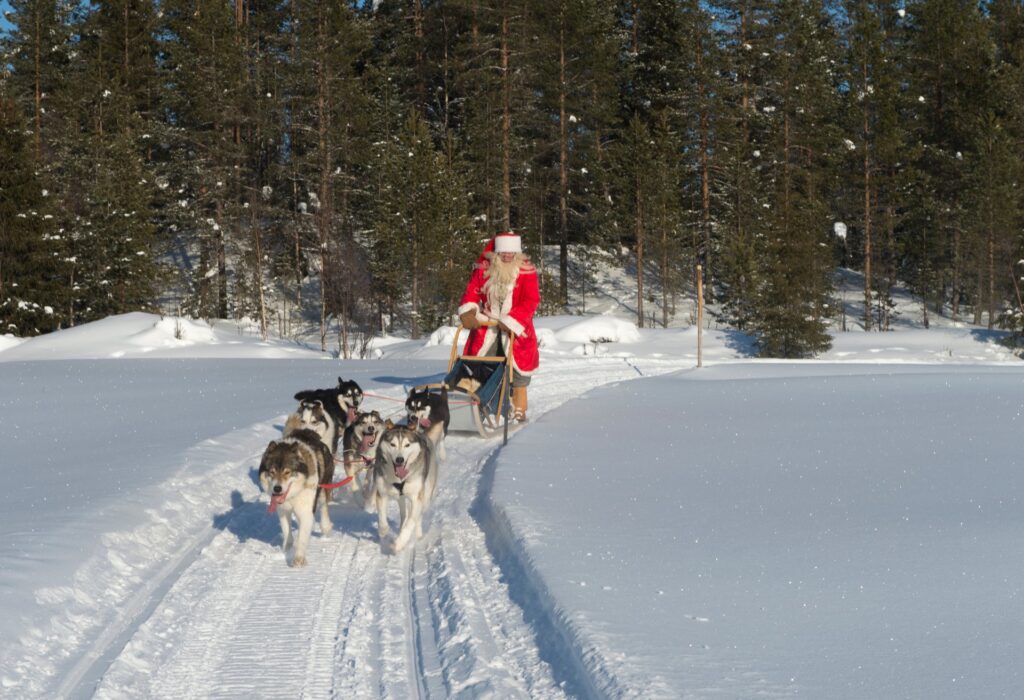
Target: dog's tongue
(275, 501)
(351, 415)
(401, 472)
(424, 422)
(278, 499)
(367, 442)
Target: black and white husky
(312, 415)
(342, 402)
(291, 471)
(405, 470)
(428, 413)
(359, 447)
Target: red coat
(516, 313)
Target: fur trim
(512, 324)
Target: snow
(841, 528)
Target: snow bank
(761, 532)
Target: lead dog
(359, 446)
(291, 471)
(342, 402)
(312, 415)
(428, 413)
(405, 470)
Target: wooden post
(700, 317)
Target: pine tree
(875, 142)
(101, 169)
(574, 74)
(743, 130)
(37, 49)
(793, 307)
(32, 293)
(330, 130)
(423, 238)
(948, 68)
(205, 66)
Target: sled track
(81, 680)
(229, 619)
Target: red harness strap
(337, 483)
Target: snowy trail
(434, 621)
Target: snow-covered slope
(675, 536)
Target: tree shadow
(740, 342)
(984, 335)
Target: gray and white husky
(312, 415)
(359, 446)
(291, 471)
(428, 413)
(405, 470)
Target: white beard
(501, 279)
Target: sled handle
(487, 358)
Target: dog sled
(479, 389)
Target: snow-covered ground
(842, 528)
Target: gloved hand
(468, 319)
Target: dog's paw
(299, 561)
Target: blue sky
(4, 24)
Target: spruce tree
(794, 305)
(742, 135)
(949, 62)
(422, 238)
(875, 149)
(37, 49)
(32, 290)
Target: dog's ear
(271, 447)
(389, 424)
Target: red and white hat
(508, 242)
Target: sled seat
(477, 407)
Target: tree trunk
(991, 272)
(37, 45)
(563, 168)
(414, 276)
(867, 209)
(506, 123)
(704, 256)
(639, 233)
(957, 282)
(258, 268)
(325, 212)
(222, 263)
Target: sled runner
(479, 389)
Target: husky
(429, 414)
(311, 414)
(342, 402)
(404, 470)
(359, 446)
(291, 471)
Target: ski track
(434, 621)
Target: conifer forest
(339, 165)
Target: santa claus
(504, 288)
